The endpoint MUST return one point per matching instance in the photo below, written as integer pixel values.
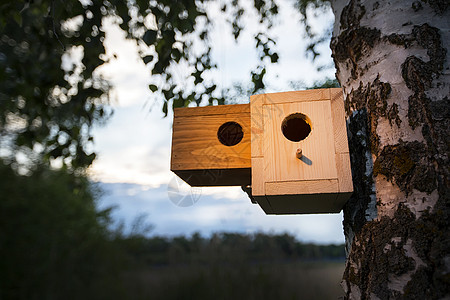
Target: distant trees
(225, 247)
(231, 266)
(53, 242)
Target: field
(288, 280)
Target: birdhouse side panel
(195, 143)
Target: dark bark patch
(351, 15)
(440, 110)
(408, 165)
(378, 262)
(430, 240)
(417, 6)
(439, 6)
(431, 114)
(416, 103)
(397, 39)
(353, 44)
(418, 75)
(358, 138)
(429, 38)
(374, 97)
(393, 116)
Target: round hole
(230, 133)
(296, 127)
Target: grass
(287, 280)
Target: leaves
(150, 37)
(49, 102)
(147, 59)
(153, 87)
(55, 108)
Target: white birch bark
(392, 60)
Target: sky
(133, 148)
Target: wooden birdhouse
(211, 145)
(299, 152)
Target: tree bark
(392, 60)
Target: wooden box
(211, 145)
(313, 121)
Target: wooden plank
(216, 177)
(303, 204)
(195, 144)
(211, 110)
(339, 124)
(318, 161)
(297, 96)
(302, 187)
(258, 176)
(344, 172)
(341, 200)
(257, 124)
(264, 204)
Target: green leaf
(150, 37)
(178, 102)
(274, 58)
(164, 109)
(147, 59)
(18, 18)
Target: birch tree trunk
(392, 60)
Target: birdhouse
(299, 152)
(211, 145)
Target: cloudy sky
(134, 147)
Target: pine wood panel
(196, 146)
(197, 153)
(211, 110)
(258, 176)
(297, 96)
(344, 172)
(257, 124)
(302, 187)
(319, 183)
(339, 124)
(318, 161)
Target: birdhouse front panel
(317, 144)
(300, 159)
(211, 145)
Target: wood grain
(297, 96)
(302, 187)
(257, 176)
(321, 181)
(196, 147)
(318, 161)
(339, 124)
(257, 124)
(211, 110)
(344, 172)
